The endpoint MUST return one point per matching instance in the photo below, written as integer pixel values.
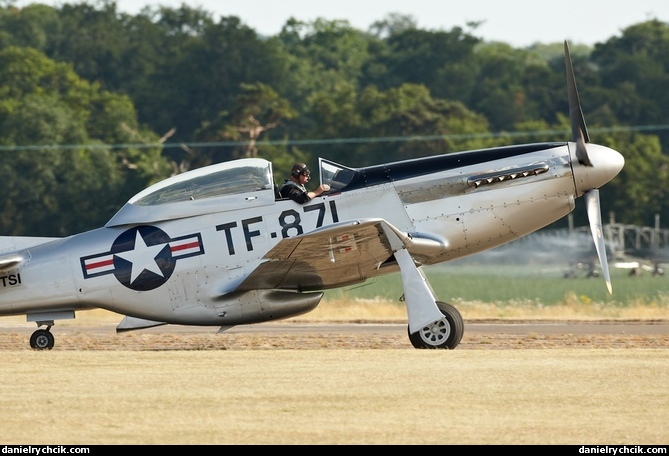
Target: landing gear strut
(42, 339)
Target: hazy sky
(517, 22)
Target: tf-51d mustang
(216, 247)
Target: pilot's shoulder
(289, 183)
(290, 187)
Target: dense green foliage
(96, 104)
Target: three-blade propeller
(580, 136)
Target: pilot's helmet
(300, 169)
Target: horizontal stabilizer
(9, 262)
(132, 323)
(13, 251)
(15, 243)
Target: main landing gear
(42, 339)
(445, 333)
(432, 323)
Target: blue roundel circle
(143, 258)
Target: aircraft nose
(606, 164)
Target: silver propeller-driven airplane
(216, 247)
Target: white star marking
(142, 257)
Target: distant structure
(630, 245)
(633, 247)
(631, 238)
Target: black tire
(445, 333)
(42, 339)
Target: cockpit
(224, 186)
(230, 178)
(236, 184)
(336, 176)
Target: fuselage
(180, 261)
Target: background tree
(174, 86)
(57, 133)
(636, 65)
(258, 109)
(640, 191)
(33, 26)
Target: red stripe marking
(99, 264)
(190, 245)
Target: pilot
(294, 188)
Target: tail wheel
(445, 333)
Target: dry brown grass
(149, 387)
(563, 396)
(574, 308)
(381, 310)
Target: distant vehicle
(215, 247)
(648, 260)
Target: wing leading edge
(334, 256)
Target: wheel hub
(42, 341)
(435, 333)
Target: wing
(337, 255)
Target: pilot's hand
(323, 188)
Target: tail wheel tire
(445, 333)
(42, 340)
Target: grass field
(488, 292)
(512, 291)
(591, 397)
(268, 395)
(510, 284)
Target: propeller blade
(579, 131)
(582, 150)
(595, 218)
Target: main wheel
(42, 339)
(445, 333)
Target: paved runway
(367, 335)
(482, 327)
